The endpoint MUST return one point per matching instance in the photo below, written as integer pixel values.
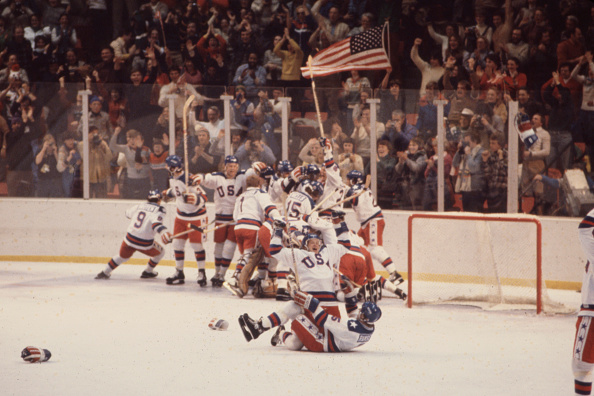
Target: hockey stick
(344, 200)
(313, 88)
(349, 279)
(321, 202)
(185, 124)
(288, 230)
(202, 230)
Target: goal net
(491, 261)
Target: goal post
(485, 260)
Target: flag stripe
(364, 51)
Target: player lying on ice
(313, 327)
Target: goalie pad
(265, 288)
(247, 271)
(371, 291)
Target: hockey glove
(325, 143)
(167, 195)
(279, 224)
(34, 355)
(191, 198)
(297, 174)
(306, 300)
(258, 167)
(347, 286)
(196, 179)
(166, 237)
(337, 214)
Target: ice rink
(127, 336)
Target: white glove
(166, 237)
(259, 167)
(196, 179)
(297, 174)
(191, 198)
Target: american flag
(364, 51)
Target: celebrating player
(251, 210)
(372, 223)
(147, 220)
(190, 202)
(583, 347)
(315, 328)
(228, 186)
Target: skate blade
(246, 332)
(235, 291)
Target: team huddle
(293, 241)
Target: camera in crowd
(463, 147)
(96, 140)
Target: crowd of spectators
(476, 55)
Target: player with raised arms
(227, 186)
(190, 202)
(147, 221)
(370, 216)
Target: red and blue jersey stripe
(587, 222)
(223, 217)
(323, 295)
(199, 212)
(252, 222)
(139, 241)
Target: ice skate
(283, 294)
(217, 280)
(251, 329)
(396, 278)
(102, 275)
(233, 285)
(177, 279)
(401, 294)
(202, 278)
(275, 340)
(148, 275)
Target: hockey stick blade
(233, 290)
(196, 228)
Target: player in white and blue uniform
(315, 328)
(190, 202)
(370, 216)
(147, 220)
(583, 347)
(227, 186)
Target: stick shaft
(185, 124)
(313, 88)
(321, 202)
(344, 200)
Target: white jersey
(350, 240)
(334, 185)
(315, 270)
(586, 236)
(147, 219)
(298, 204)
(365, 207)
(252, 208)
(341, 335)
(226, 192)
(275, 189)
(186, 211)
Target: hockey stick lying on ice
(202, 230)
(342, 201)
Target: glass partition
(131, 130)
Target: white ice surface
(127, 336)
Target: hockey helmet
(284, 167)
(174, 164)
(154, 195)
(309, 237)
(314, 189)
(370, 312)
(267, 173)
(355, 177)
(312, 171)
(231, 159)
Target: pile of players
(284, 221)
